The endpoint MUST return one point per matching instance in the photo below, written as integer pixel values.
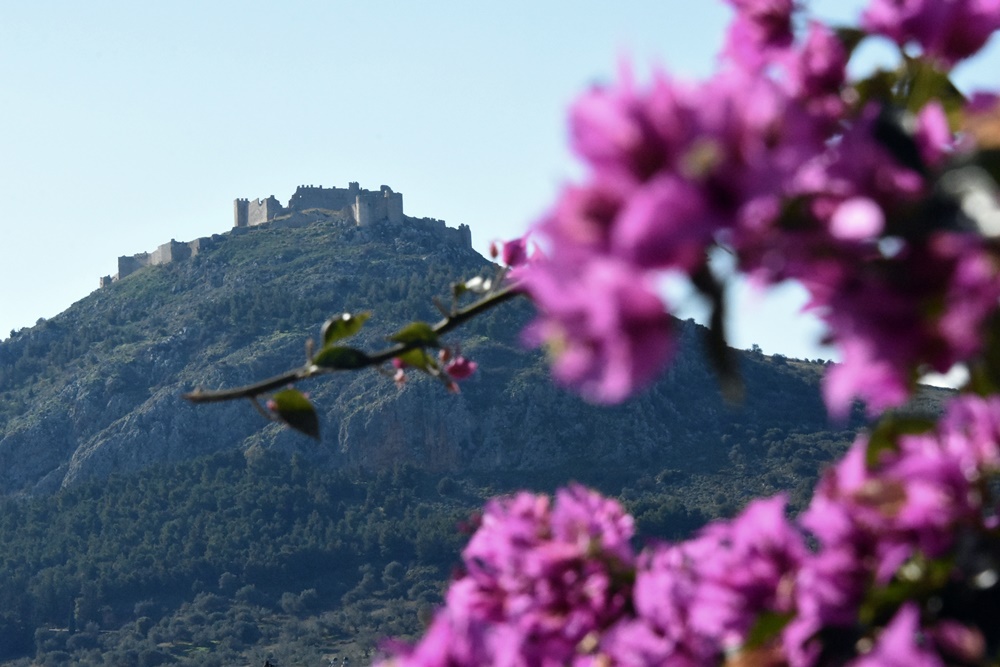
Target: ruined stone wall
(334, 199)
(371, 207)
(170, 252)
(173, 251)
(260, 211)
(394, 205)
(131, 264)
(204, 243)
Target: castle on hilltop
(365, 209)
(363, 206)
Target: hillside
(96, 389)
(143, 530)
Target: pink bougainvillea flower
(460, 368)
(856, 219)
(949, 30)
(666, 224)
(556, 582)
(933, 135)
(512, 253)
(862, 374)
(901, 643)
(817, 69)
(606, 328)
(759, 28)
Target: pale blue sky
(127, 124)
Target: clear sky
(126, 124)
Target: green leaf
(416, 333)
(293, 408)
(342, 326)
(929, 577)
(341, 358)
(795, 215)
(886, 434)
(849, 38)
(929, 83)
(419, 359)
(876, 88)
(768, 625)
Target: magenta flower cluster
(949, 31)
(558, 583)
(781, 160)
(866, 193)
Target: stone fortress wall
(172, 251)
(364, 206)
(309, 204)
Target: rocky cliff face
(97, 389)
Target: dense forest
(240, 557)
(220, 555)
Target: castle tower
(393, 205)
(465, 233)
(362, 211)
(241, 213)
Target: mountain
(97, 389)
(143, 530)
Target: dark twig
(310, 370)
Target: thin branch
(310, 370)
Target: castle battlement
(366, 208)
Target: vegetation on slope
(233, 540)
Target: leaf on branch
(850, 38)
(419, 359)
(876, 88)
(916, 579)
(416, 333)
(341, 358)
(768, 626)
(885, 436)
(342, 326)
(293, 408)
(795, 214)
(929, 83)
